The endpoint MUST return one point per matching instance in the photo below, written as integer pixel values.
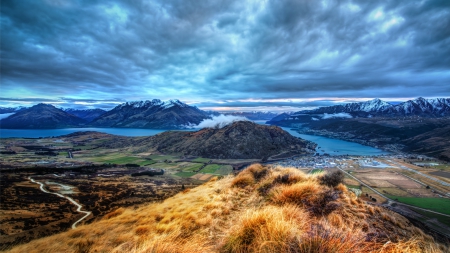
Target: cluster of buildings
(315, 162)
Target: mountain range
(436, 107)
(41, 116)
(418, 126)
(172, 114)
(4, 110)
(156, 114)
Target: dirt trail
(87, 213)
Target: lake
(338, 147)
(327, 145)
(36, 133)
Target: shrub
(332, 179)
(264, 188)
(282, 179)
(324, 204)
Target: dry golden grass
(259, 210)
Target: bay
(338, 147)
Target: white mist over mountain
(220, 121)
(336, 115)
(6, 115)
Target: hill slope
(260, 210)
(240, 140)
(41, 116)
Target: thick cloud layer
(211, 52)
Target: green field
(191, 168)
(118, 159)
(224, 170)
(211, 168)
(185, 174)
(314, 171)
(201, 160)
(165, 165)
(441, 205)
(163, 157)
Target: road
(87, 213)
(390, 201)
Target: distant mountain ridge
(436, 107)
(11, 109)
(157, 114)
(86, 114)
(41, 116)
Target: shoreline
(394, 148)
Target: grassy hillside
(259, 210)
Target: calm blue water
(337, 147)
(36, 133)
(327, 145)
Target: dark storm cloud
(64, 102)
(224, 50)
(243, 104)
(33, 100)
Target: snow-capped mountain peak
(173, 102)
(375, 105)
(151, 103)
(436, 107)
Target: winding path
(74, 225)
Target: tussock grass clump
(269, 229)
(299, 193)
(258, 171)
(309, 195)
(281, 176)
(250, 176)
(289, 175)
(260, 210)
(243, 180)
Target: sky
(281, 55)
